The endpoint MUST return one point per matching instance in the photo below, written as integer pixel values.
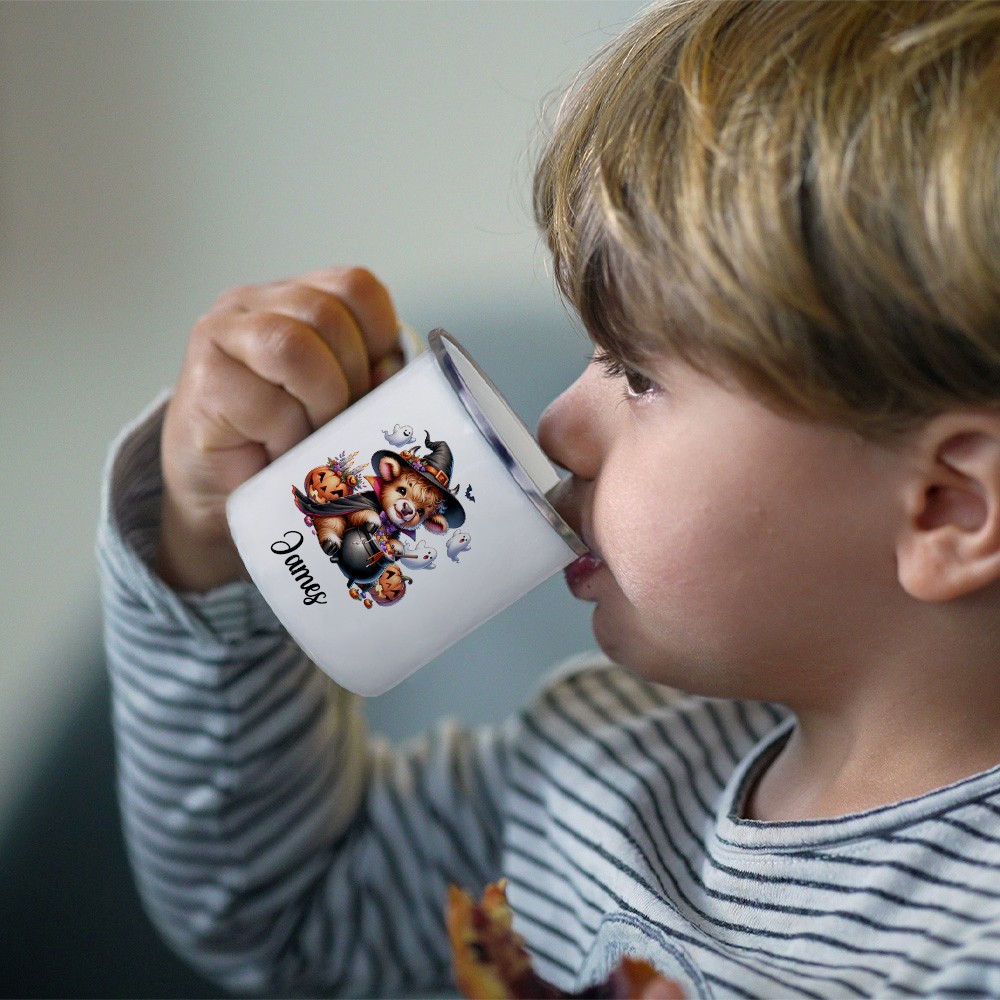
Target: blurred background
(152, 155)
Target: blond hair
(805, 196)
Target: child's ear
(950, 544)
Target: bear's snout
(404, 511)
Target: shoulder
(591, 710)
(621, 696)
(593, 671)
(592, 688)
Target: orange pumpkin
(323, 485)
(390, 586)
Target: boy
(779, 223)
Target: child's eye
(637, 385)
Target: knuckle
(204, 329)
(200, 356)
(203, 377)
(321, 310)
(283, 340)
(362, 287)
(232, 299)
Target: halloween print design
(367, 524)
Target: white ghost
(460, 541)
(419, 556)
(400, 435)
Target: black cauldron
(360, 558)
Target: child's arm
(264, 367)
(275, 845)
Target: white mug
(417, 513)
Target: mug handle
(412, 344)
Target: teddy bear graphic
(366, 524)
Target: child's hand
(266, 366)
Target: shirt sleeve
(277, 846)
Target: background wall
(152, 155)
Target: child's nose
(567, 430)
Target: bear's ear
(389, 467)
(436, 523)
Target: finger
(284, 352)
(387, 367)
(369, 302)
(362, 293)
(236, 406)
(332, 321)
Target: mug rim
(437, 339)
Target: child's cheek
(641, 553)
(685, 559)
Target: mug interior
(510, 440)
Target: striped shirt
(282, 849)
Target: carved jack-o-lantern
(390, 586)
(323, 485)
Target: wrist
(195, 557)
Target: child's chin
(613, 637)
(624, 647)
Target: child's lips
(567, 499)
(579, 573)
